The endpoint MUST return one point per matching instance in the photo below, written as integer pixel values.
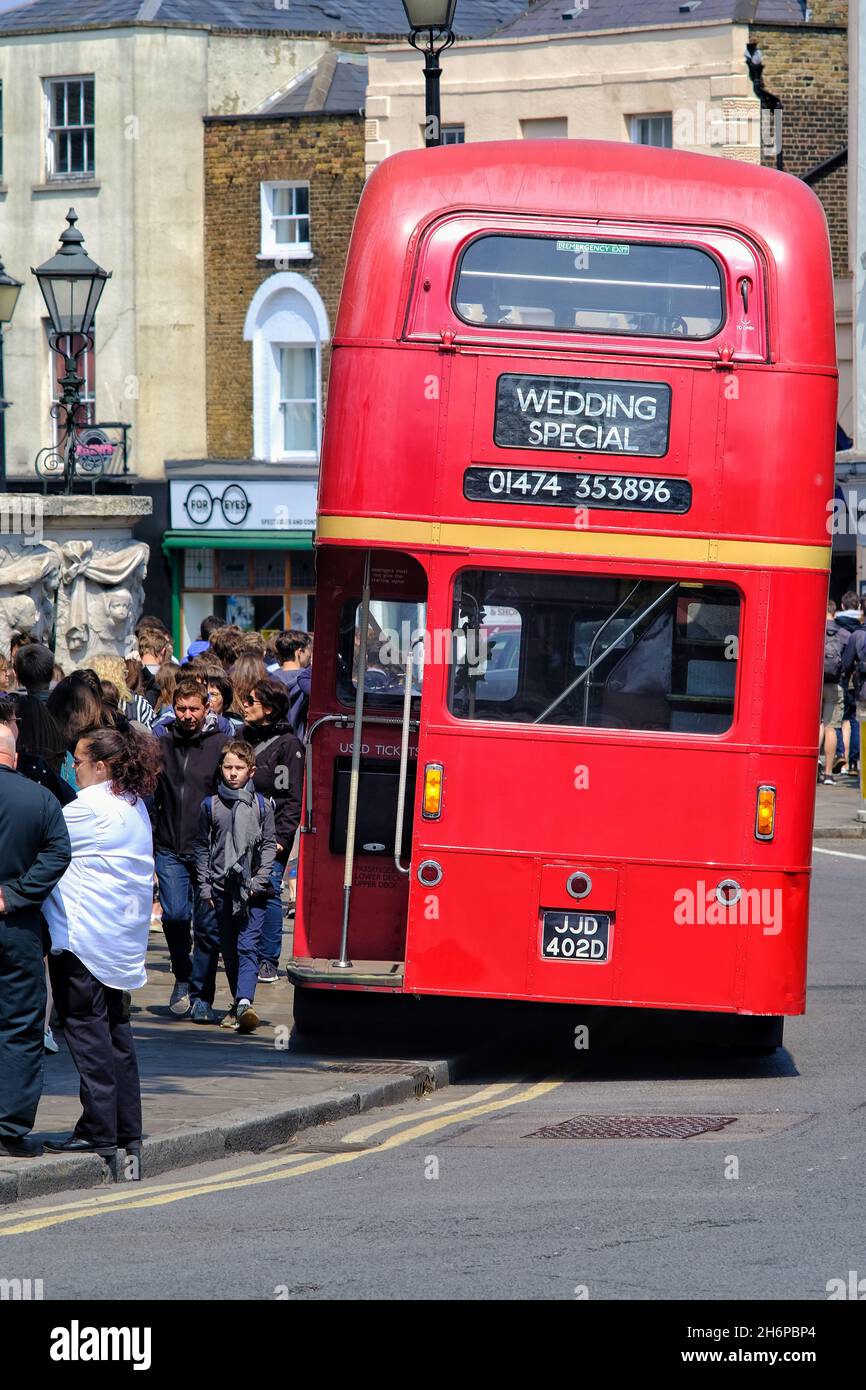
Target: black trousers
(100, 1040)
(22, 1021)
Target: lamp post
(431, 24)
(9, 292)
(71, 285)
(769, 101)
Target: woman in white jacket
(99, 918)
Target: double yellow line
(277, 1169)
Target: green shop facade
(240, 545)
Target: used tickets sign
(583, 415)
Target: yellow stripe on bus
(703, 550)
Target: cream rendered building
(141, 211)
(582, 85)
(652, 71)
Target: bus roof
(611, 180)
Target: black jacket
(279, 774)
(34, 847)
(37, 770)
(189, 774)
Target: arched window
(287, 324)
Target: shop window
(269, 570)
(303, 569)
(198, 569)
(287, 325)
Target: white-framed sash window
(299, 398)
(70, 128)
(286, 221)
(287, 325)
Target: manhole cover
(633, 1127)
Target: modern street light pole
(71, 285)
(9, 292)
(431, 23)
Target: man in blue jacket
(34, 853)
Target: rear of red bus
(580, 441)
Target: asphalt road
(458, 1196)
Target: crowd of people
(843, 702)
(131, 783)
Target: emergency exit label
(583, 415)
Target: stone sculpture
(28, 583)
(100, 596)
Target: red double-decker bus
(572, 569)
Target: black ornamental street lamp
(71, 285)
(432, 30)
(10, 289)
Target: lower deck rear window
(607, 652)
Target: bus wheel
(758, 1037)
(343, 1013)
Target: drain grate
(633, 1127)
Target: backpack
(834, 644)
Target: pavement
(208, 1093)
(836, 810)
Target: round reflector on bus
(728, 892)
(579, 885)
(429, 873)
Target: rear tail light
(765, 816)
(431, 808)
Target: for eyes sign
(584, 415)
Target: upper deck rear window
(569, 285)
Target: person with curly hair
(98, 916)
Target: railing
(86, 454)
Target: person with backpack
(233, 854)
(833, 695)
(854, 670)
(850, 619)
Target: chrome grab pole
(608, 620)
(404, 762)
(342, 721)
(357, 739)
(599, 659)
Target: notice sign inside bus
(584, 415)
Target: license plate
(543, 487)
(575, 936)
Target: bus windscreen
(566, 284)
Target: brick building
(281, 188)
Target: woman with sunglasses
(279, 774)
(99, 918)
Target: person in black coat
(279, 774)
(34, 853)
(191, 746)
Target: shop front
(240, 545)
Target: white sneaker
(48, 1041)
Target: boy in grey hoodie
(233, 854)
